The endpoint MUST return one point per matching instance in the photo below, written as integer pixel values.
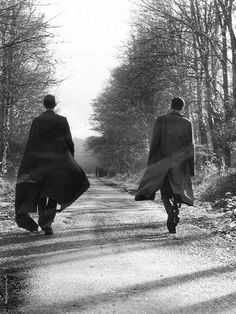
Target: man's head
(177, 103)
(49, 102)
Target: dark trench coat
(48, 168)
(171, 154)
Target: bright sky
(91, 32)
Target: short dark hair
(177, 103)
(49, 102)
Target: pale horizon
(89, 36)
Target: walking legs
(171, 207)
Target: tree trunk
(224, 63)
(7, 101)
(233, 47)
(7, 36)
(208, 101)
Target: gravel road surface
(110, 254)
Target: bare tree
(26, 67)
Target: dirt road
(110, 254)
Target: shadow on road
(106, 235)
(124, 236)
(222, 304)
(17, 282)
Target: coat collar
(178, 113)
(48, 111)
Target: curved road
(110, 254)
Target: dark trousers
(46, 211)
(171, 201)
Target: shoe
(26, 222)
(48, 230)
(171, 224)
(172, 231)
(35, 232)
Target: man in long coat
(170, 163)
(48, 174)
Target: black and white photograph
(117, 156)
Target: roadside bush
(215, 186)
(6, 187)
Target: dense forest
(26, 72)
(177, 48)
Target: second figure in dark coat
(170, 163)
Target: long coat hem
(155, 175)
